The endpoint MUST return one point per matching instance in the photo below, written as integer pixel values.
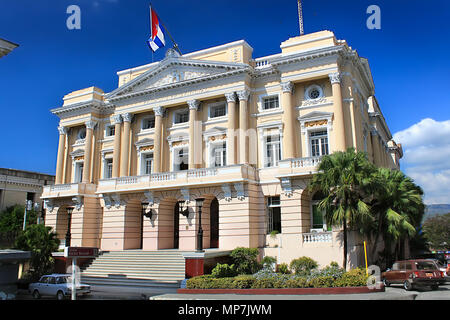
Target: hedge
(352, 278)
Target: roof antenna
(300, 16)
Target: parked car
(57, 285)
(414, 273)
(442, 267)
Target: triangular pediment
(316, 115)
(174, 72)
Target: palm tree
(397, 207)
(343, 179)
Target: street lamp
(199, 203)
(69, 220)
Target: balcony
(67, 190)
(315, 237)
(298, 166)
(177, 179)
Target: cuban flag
(156, 39)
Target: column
(88, 151)
(289, 139)
(125, 147)
(61, 150)
(159, 111)
(243, 125)
(116, 153)
(194, 161)
(231, 132)
(338, 125)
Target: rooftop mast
(300, 16)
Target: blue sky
(408, 58)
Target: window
(270, 103)
(108, 168)
(110, 130)
(181, 159)
(147, 163)
(219, 155)
(148, 123)
(318, 220)
(181, 116)
(318, 141)
(82, 133)
(216, 111)
(313, 92)
(273, 214)
(273, 151)
(78, 172)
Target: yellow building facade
(244, 134)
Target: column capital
(90, 124)
(193, 104)
(335, 77)
(159, 111)
(231, 97)
(243, 94)
(127, 117)
(287, 86)
(62, 130)
(117, 119)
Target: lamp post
(199, 203)
(69, 220)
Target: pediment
(173, 72)
(316, 115)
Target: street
(395, 292)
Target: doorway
(214, 223)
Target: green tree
(11, 221)
(397, 207)
(41, 241)
(436, 230)
(344, 180)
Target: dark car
(414, 273)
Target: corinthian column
(289, 148)
(338, 126)
(243, 125)
(116, 152)
(88, 152)
(231, 138)
(125, 148)
(60, 158)
(193, 144)
(159, 111)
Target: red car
(414, 273)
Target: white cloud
(426, 147)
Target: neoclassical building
(242, 134)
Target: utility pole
(300, 16)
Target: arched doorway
(214, 223)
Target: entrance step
(136, 268)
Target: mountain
(433, 209)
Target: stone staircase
(136, 268)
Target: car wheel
(386, 283)
(60, 295)
(36, 294)
(407, 285)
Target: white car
(57, 285)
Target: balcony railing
(315, 237)
(68, 189)
(168, 179)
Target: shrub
(269, 262)
(303, 266)
(243, 282)
(283, 268)
(296, 282)
(263, 284)
(353, 278)
(332, 270)
(245, 260)
(223, 271)
(199, 282)
(321, 282)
